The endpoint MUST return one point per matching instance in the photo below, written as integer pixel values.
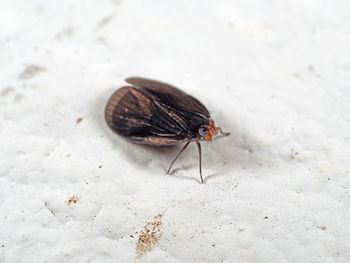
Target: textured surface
(274, 73)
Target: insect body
(156, 113)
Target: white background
(276, 74)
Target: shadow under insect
(147, 156)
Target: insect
(156, 113)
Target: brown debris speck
(73, 199)
(293, 154)
(149, 236)
(323, 227)
(79, 120)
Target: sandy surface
(276, 74)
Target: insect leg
(171, 165)
(200, 159)
(223, 133)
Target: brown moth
(156, 113)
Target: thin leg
(223, 133)
(200, 160)
(171, 165)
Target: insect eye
(203, 131)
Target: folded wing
(140, 116)
(173, 96)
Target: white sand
(274, 73)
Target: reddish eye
(203, 131)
